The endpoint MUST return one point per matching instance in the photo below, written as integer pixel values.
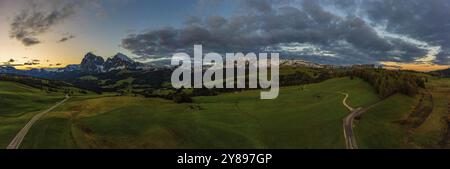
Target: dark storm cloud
(259, 5)
(424, 20)
(28, 41)
(63, 39)
(347, 28)
(37, 19)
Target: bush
(181, 97)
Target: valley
(306, 116)
(128, 108)
(298, 119)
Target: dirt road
(17, 141)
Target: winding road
(17, 141)
(350, 141)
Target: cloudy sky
(409, 33)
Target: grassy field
(380, 126)
(430, 133)
(18, 99)
(18, 104)
(308, 118)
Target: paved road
(15, 143)
(350, 141)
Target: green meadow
(308, 116)
(382, 127)
(379, 127)
(18, 105)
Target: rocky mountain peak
(92, 63)
(122, 57)
(120, 61)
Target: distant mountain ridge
(94, 64)
(121, 61)
(90, 63)
(442, 73)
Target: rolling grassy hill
(434, 132)
(308, 116)
(379, 126)
(386, 125)
(18, 104)
(18, 98)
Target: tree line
(38, 83)
(389, 82)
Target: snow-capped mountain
(121, 61)
(92, 63)
(8, 69)
(69, 68)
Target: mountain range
(96, 64)
(91, 63)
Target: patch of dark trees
(389, 82)
(441, 73)
(39, 83)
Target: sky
(411, 34)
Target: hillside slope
(308, 116)
(18, 104)
(408, 122)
